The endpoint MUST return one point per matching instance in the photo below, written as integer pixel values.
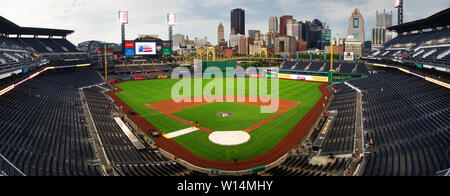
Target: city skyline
(92, 20)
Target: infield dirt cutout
(169, 107)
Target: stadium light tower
(171, 21)
(123, 19)
(399, 4)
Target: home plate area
(223, 138)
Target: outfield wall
(303, 77)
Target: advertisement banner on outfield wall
(319, 79)
(270, 76)
(162, 77)
(303, 77)
(284, 76)
(240, 75)
(254, 76)
(138, 78)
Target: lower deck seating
(301, 166)
(340, 137)
(407, 119)
(41, 130)
(119, 149)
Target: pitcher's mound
(225, 114)
(229, 138)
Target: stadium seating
(340, 67)
(13, 59)
(40, 45)
(340, 137)
(41, 131)
(53, 45)
(66, 44)
(44, 134)
(120, 151)
(301, 166)
(407, 118)
(421, 47)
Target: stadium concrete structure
(384, 115)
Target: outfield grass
(264, 138)
(243, 117)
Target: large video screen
(145, 48)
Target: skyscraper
(380, 35)
(293, 29)
(273, 24)
(220, 33)
(283, 24)
(238, 21)
(384, 19)
(356, 26)
(253, 33)
(306, 32)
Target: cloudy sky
(98, 19)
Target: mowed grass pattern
(264, 138)
(243, 117)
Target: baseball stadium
(100, 109)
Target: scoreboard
(148, 48)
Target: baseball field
(152, 100)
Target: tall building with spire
(220, 33)
(356, 26)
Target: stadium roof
(440, 19)
(9, 27)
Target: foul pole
(106, 65)
(331, 69)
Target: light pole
(106, 64)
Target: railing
(8, 169)
(443, 173)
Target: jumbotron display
(151, 47)
(145, 48)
